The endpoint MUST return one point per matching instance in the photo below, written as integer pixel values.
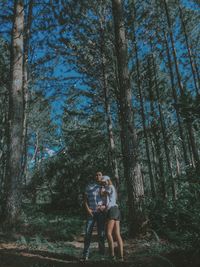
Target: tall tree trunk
(3, 146)
(13, 181)
(193, 144)
(113, 159)
(132, 170)
(189, 50)
(159, 166)
(197, 70)
(152, 183)
(25, 82)
(188, 124)
(175, 97)
(178, 169)
(156, 145)
(163, 130)
(190, 152)
(34, 158)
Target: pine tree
(132, 169)
(13, 182)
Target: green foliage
(178, 221)
(22, 241)
(48, 226)
(40, 243)
(62, 178)
(190, 107)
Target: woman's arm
(103, 191)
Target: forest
(110, 86)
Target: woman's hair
(109, 182)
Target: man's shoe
(84, 258)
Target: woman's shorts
(114, 214)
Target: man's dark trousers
(100, 219)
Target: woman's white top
(111, 196)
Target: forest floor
(23, 251)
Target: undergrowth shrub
(178, 220)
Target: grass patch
(52, 227)
(42, 244)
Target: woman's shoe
(112, 258)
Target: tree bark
(163, 130)
(178, 168)
(152, 183)
(189, 50)
(113, 159)
(175, 97)
(132, 169)
(25, 83)
(188, 124)
(13, 181)
(156, 136)
(4, 145)
(197, 70)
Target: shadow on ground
(26, 258)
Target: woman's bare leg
(119, 239)
(110, 226)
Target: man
(95, 205)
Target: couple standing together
(100, 201)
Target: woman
(113, 217)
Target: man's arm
(85, 202)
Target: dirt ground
(136, 254)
